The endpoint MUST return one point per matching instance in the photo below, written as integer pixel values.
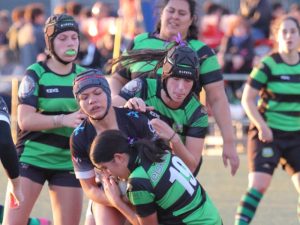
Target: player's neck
(109, 122)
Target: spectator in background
(18, 21)
(88, 56)
(237, 52)
(277, 10)
(100, 23)
(294, 10)
(259, 15)
(59, 9)
(31, 40)
(8, 66)
(73, 9)
(210, 31)
(132, 19)
(4, 27)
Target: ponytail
(110, 142)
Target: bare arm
(117, 101)
(93, 191)
(219, 104)
(30, 119)
(116, 82)
(248, 102)
(190, 153)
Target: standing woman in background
(274, 132)
(47, 114)
(178, 19)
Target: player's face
(93, 102)
(175, 18)
(117, 167)
(179, 88)
(288, 36)
(66, 45)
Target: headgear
(92, 78)
(182, 62)
(55, 25)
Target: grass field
(278, 206)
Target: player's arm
(93, 191)
(116, 82)
(114, 197)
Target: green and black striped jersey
(50, 94)
(190, 119)
(209, 70)
(170, 189)
(279, 100)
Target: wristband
(173, 135)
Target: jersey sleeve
(259, 75)
(146, 130)
(79, 145)
(4, 114)
(29, 89)
(142, 196)
(8, 154)
(198, 124)
(132, 89)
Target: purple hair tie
(178, 39)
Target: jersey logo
(132, 87)
(157, 172)
(27, 87)
(267, 152)
(76, 159)
(178, 128)
(285, 77)
(52, 90)
(133, 114)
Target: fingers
(137, 104)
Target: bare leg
(19, 216)
(66, 205)
(107, 215)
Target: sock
(1, 213)
(248, 204)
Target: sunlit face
(117, 167)
(93, 102)
(64, 42)
(179, 88)
(288, 36)
(175, 18)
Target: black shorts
(285, 149)
(39, 175)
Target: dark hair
(161, 56)
(110, 142)
(32, 11)
(193, 29)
